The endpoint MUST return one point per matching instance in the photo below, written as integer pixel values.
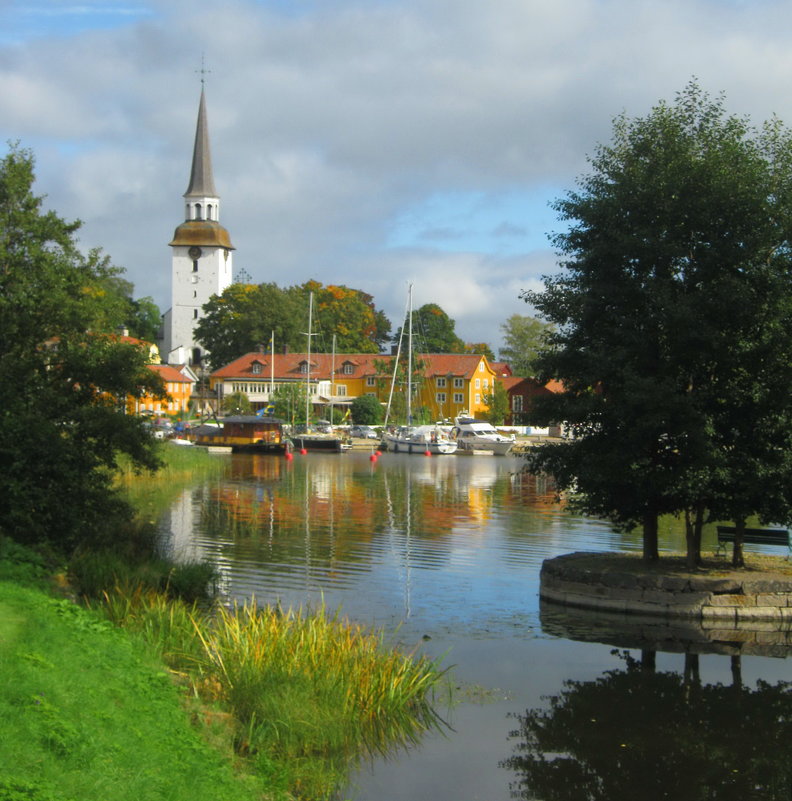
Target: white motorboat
(480, 437)
(419, 439)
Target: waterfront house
(448, 383)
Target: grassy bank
(88, 713)
(146, 697)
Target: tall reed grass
(309, 692)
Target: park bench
(758, 536)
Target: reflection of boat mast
(391, 530)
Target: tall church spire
(201, 178)
(201, 256)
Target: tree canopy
(433, 331)
(523, 338)
(248, 315)
(66, 374)
(673, 321)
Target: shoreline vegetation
(144, 692)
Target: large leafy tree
(350, 316)
(673, 320)
(433, 331)
(523, 338)
(65, 376)
(246, 316)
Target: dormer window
(256, 368)
(348, 368)
(303, 367)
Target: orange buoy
(427, 452)
(303, 451)
(373, 457)
(289, 456)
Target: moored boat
(419, 439)
(480, 437)
(245, 433)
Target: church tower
(202, 250)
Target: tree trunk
(648, 660)
(693, 527)
(692, 675)
(736, 671)
(738, 560)
(650, 552)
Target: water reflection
(637, 732)
(446, 553)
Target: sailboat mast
(308, 365)
(409, 357)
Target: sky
(370, 143)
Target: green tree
(288, 401)
(349, 315)
(62, 421)
(673, 323)
(237, 403)
(433, 331)
(366, 410)
(144, 319)
(498, 403)
(245, 317)
(523, 338)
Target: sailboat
(314, 440)
(409, 438)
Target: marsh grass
(152, 493)
(308, 693)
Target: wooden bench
(757, 536)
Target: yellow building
(179, 382)
(447, 383)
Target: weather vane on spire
(203, 70)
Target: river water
(444, 554)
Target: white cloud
(334, 130)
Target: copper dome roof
(201, 232)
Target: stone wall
(597, 581)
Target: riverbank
(249, 702)
(90, 713)
(624, 583)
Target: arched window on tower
(195, 265)
(209, 211)
(198, 211)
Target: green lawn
(88, 715)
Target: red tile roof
(362, 364)
(169, 373)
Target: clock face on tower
(195, 252)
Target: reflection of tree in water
(639, 735)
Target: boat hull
(486, 448)
(404, 445)
(313, 443)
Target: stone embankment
(624, 584)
